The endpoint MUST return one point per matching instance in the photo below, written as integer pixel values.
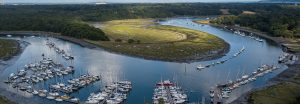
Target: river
(144, 74)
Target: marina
(200, 67)
(75, 84)
(250, 35)
(38, 72)
(168, 93)
(46, 69)
(143, 74)
(287, 58)
(64, 54)
(114, 93)
(222, 91)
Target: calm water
(144, 74)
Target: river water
(144, 74)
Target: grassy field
(293, 44)
(8, 48)
(285, 93)
(158, 42)
(202, 21)
(138, 29)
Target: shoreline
(208, 56)
(18, 51)
(13, 97)
(90, 45)
(8, 96)
(83, 43)
(283, 42)
(49, 34)
(281, 77)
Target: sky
(120, 1)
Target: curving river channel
(144, 74)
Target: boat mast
(237, 75)
(185, 68)
(228, 75)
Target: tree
(161, 101)
(130, 41)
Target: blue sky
(120, 1)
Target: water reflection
(145, 73)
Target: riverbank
(288, 78)
(281, 82)
(8, 48)
(49, 34)
(287, 44)
(279, 86)
(146, 39)
(206, 21)
(17, 47)
(286, 88)
(209, 54)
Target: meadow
(145, 38)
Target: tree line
(69, 19)
(66, 27)
(281, 21)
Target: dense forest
(69, 19)
(282, 21)
(65, 27)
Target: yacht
(199, 67)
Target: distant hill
(281, 1)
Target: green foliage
(226, 20)
(112, 11)
(192, 44)
(8, 48)
(60, 18)
(66, 27)
(283, 22)
(161, 101)
(118, 40)
(130, 41)
(79, 30)
(283, 93)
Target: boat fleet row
(247, 35)
(168, 93)
(38, 72)
(287, 58)
(28, 79)
(114, 93)
(200, 67)
(74, 84)
(64, 54)
(223, 90)
(33, 73)
(55, 96)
